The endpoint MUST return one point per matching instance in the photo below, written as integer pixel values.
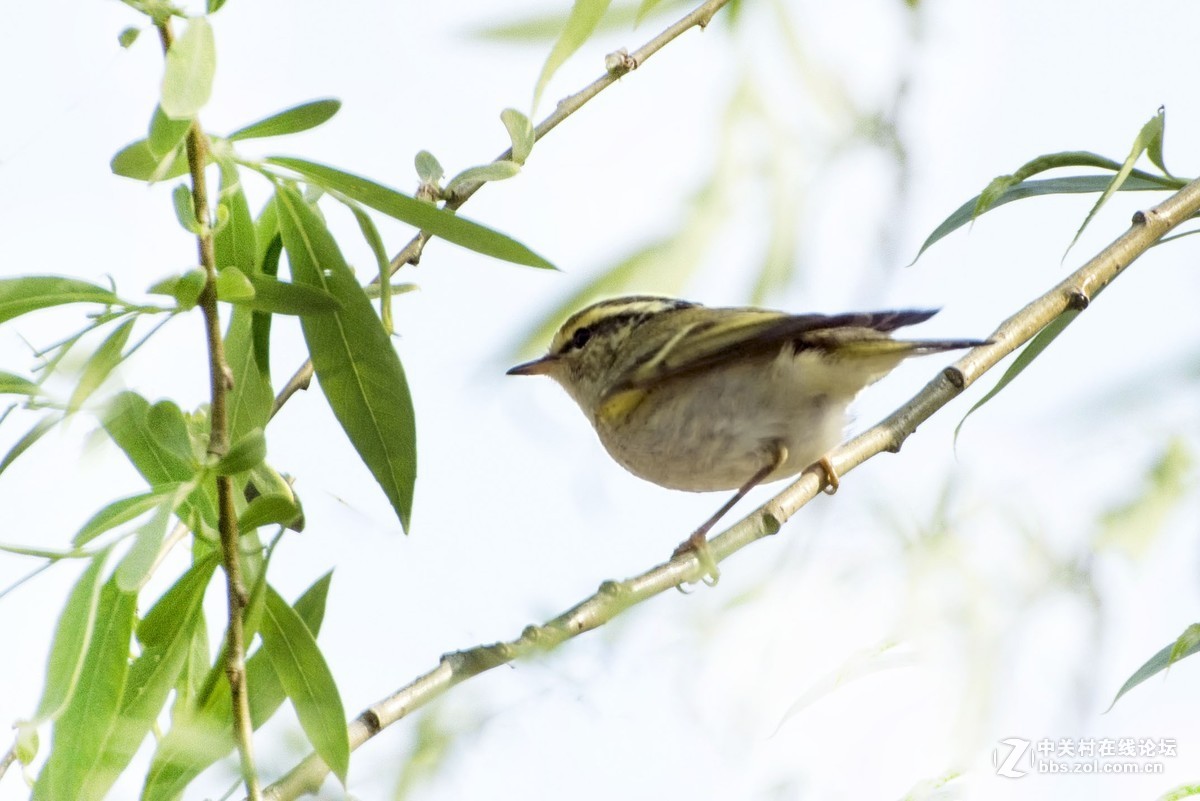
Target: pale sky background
(519, 513)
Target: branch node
(1078, 300)
(619, 62)
(771, 523)
(1139, 217)
(370, 720)
(955, 377)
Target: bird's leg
(697, 543)
(831, 477)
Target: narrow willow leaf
(494, 171)
(1081, 184)
(27, 440)
(244, 454)
(72, 637)
(251, 398)
(1133, 526)
(1162, 660)
(127, 37)
(134, 569)
(308, 682)
(646, 8)
(1154, 148)
(122, 511)
(429, 170)
(166, 635)
(165, 133)
(382, 263)
(266, 510)
(582, 21)
(233, 286)
(136, 161)
(280, 297)
(1151, 132)
(22, 295)
(16, 385)
(293, 120)
(80, 731)
(200, 736)
(520, 133)
(99, 365)
(191, 65)
(1050, 161)
(438, 222)
(355, 363)
(235, 243)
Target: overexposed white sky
(968, 625)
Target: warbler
(702, 399)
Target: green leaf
(435, 221)
(585, 15)
(280, 297)
(235, 243)
(79, 733)
(185, 288)
(244, 454)
(308, 682)
(167, 636)
(355, 363)
(1080, 184)
(127, 37)
(185, 209)
(135, 567)
(1184, 646)
(22, 295)
(28, 439)
(137, 161)
(1151, 132)
(293, 120)
(494, 171)
(191, 64)
(1133, 525)
(169, 429)
(122, 511)
(429, 170)
(233, 286)
(268, 510)
(71, 639)
(382, 263)
(520, 133)
(251, 398)
(646, 8)
(213, 6)
(99, 365)
(16, 385)
(165, 134)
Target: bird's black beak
(536, 367)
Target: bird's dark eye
(581, 336)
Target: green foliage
(191, 66)
(581, 23)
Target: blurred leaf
(165, 134)
(22, 295)
(185, 210)
(293, 120)
(185, 288)
(122, 511)
(1185, 645)
(191, 64)
(541, 28)
(16, 385)
(301, 669)
(213, 6)
(646, 7)
(429, 171)
(169, 430)
(1134, 525)
(436, 221)
(251, 397)
(99, 365)
(235, 243)
(81, 729)
(28, 439)
(1151, 133)
(581, 23)
(266, 510)
(72, 637)
(520, 133)
(127, 37)
(233, 286)
(1179, 793)
(492, 171)
(136, 161)
(244, 454)
(1081, 184)
(135, 567)
(858, 665)
(355, 363)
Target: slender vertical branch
(221, 380)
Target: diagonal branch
(614, 597)
(619, 64)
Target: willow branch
(614, 597)
(220, 381)
(619, 64)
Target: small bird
(703, 399)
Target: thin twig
(220, 381)
(614, 597)
(411, 253)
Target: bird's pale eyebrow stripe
(607, 316)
